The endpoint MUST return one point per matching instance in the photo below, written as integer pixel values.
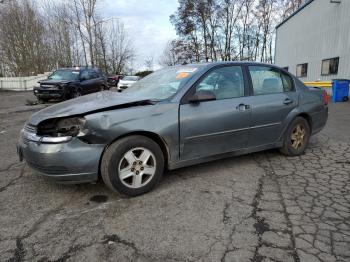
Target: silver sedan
(175, 117)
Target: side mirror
(83, 78)
(202, 96)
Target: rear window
(266, 80)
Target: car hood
(53, 82)
(88, 104)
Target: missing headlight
(73, 126)
(70, 126)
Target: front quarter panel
(160, 119)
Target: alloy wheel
(298, 136)
(137, 167)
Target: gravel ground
(258, 207)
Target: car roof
(79, 68)
(212, 64)
(209, 65)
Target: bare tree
(149, 62)
(120, 47)
(178, 52)
(22, 38)
(231, 29)
(60, 32)
(168, 57)
(85, 11)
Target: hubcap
(137, 167)
(298, 136)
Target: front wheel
(76, 93)
(132, 165)
(296, 137)
(43, 100)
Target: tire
(43, 100)
(76, 93)
(138, 179)
(296, 140)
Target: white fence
(21, 83)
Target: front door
(273, 98)
(218, 126)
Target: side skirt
(190, 162)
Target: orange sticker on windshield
(182, 75)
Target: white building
(314, 42)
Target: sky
(147, 24)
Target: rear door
(219, 126)
(273, 98)
(96, 82)
(85, 82)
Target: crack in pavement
(9, 167)
(313, 195)
(19, 252)
(260, 225)
(13, 181)
(226, 219)
(20, 246)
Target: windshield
(64, 75)
(163, 83)
(130, 78)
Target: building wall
(319, 31)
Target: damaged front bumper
(73, 161)
(48, 93)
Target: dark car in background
(175, 117)
(69, 83)
(113, 80)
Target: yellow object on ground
(324, 84)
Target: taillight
(325, 97)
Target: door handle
(287, 101)
(243, 107)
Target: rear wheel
(132, 165)
(296, 137)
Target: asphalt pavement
(258, 207)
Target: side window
(92, 74)
(84, 75)
(288, 85)
(266, 80)
(224, 82)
